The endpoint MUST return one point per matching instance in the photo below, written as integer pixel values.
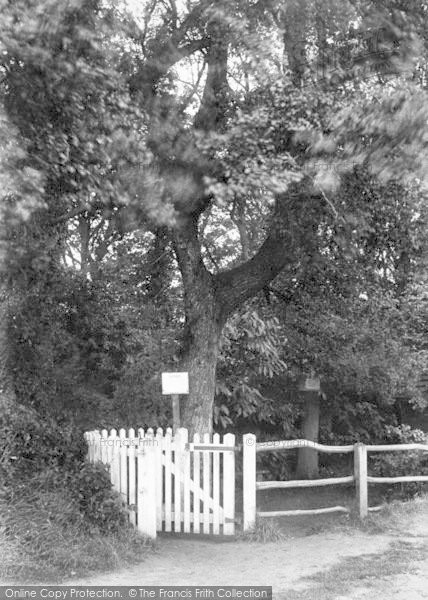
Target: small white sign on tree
(174, 384)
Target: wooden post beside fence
(229, 485)
(249, 475)
(360, 473)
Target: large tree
(118, 133)
(239, 148)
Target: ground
(386, 559)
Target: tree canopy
(237, 144)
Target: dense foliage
(55, 507)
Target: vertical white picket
(186, 481)
(206, 459)
(123, 452)
(159, 477)
(97, 446)
(103, 445)
(178, 454)
(132, 499)
(113, 460)
(148, 440)
(197, 485)
(168, 487)
(216, 486)
(111, 445)
(141, 433)
(229, 486)
(146, 490)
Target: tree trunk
(202, 331)
(307, 459)
(201, 361)
(84, 233)
(209, 299)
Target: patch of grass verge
(357, 571)
(394, 517)
(70, 555)
(264, 531)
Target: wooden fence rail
(359, 477)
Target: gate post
(229, 486)
(360, 473)
(249, 480)
(146, 465)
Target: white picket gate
(167, 483)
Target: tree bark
(307, 458)
(200, 361)
(84, 233)
(202, 330)
(294, 23)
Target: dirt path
(283, 565)
(185, 562)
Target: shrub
(30, 444)
(57, 510)
(45, 537)
(394, 464)
(98, 503)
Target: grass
(264, 531)
(71, 557)
(395, 516)
(301, 526)
(354, 572)
(36, 548)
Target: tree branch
(278, 250)
(156, 67)
(165, 53)
(212, 111)
(72, 213)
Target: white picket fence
(167, 483)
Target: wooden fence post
(229, 486)
(360, 472)
(146, 462)
(249, 480)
